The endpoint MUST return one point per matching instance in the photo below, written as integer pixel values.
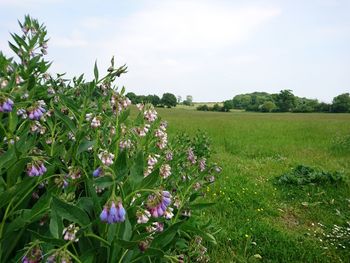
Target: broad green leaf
(70, 212)
(136, 170)
(68, 122)
(167, 236)
(84, 146)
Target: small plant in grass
(82, 181)
(341, 144)
(302, 175)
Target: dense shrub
(302, 175)
(82, 181)
(203, 107)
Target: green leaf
(86, 204)
(69, 123)
(126, 230)
(7, 158)
(15, 171)
(13, 120)
(151, 179)
(136, 170)
(96, 71)
(167, 236)
(104, 181)
(70, 212)
(49, 240)
(84, 146)
(188, 227)
(56, 225)
(16, 191)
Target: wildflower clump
(79, 174)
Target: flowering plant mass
(82, 179)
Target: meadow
(256, 219)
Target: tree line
(168, 99)
(285, 101)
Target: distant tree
(228, 104)
(305, 105)
(241, 101)
(188, 101)
(153, 99)
(203, 107)
(132, 96)
(268, 106)
(341, 103)
(217, 107)
(179, 99)
(323, 107)
(285, 101)
(169, 100)
(141, 99)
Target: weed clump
(341, 144)
(303, 175)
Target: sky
(210, 49)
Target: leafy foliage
(302, 175)
(169, 100)
(82, 181)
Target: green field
(258, 218)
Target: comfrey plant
(82, 181)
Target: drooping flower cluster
(155, 227)
(36, 127)
(150, 114)
(169, 156)
(3, 83)
(97, 172)
(143, 216)
(143, 131)
(69, 233)
(106, 158)
(36, 169)
(191, 157)
(33, 256)
(22, 113)
(37, 111)
(113, 213)
(74, 173)
(6, 105)
(140, 106)
(157, 203)
(119, 102)
(162, 135)
(165, 171)
(125, 144)
(60, 256)
(151, 162)
(202, 164)
(96, 122)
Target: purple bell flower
(97, 172)
(6, 106)
(104, 214)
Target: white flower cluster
(151, 162)
(106, 158)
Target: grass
(262, 221)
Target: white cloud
(27, 3)
(184, 25)
(76, 39)
(171, 43)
